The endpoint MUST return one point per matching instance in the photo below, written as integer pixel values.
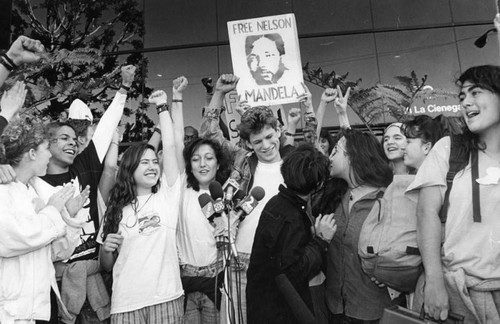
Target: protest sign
(233, 118)
(266, 57)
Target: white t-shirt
(195, 235)
(146, 271)
(475, 247)
(268, 176)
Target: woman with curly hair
(29, 228)
(139, 234)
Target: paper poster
(266, 57)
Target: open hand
(61, 197)
(76, 203)
(13, 100)
(128, 74)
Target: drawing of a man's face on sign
(264, 57)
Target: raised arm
(429, 243)
(23, 50)
(108, 175)
(210, 123)
(340, 104)
(327, 96)
(170, 165)
(293, 120)
(111, 118)
(178, 87)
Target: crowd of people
(194, 228)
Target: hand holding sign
(293, 116)
(226, 83)
(241, 107)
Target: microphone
(207, 206)
(238, 196)
(247, 204)
(231, 186)
(217, 195)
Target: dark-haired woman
(201, 162)
(284, 243)
(462, 269)
(200, 269)
(139, 234)
(358, 159)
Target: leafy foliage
(79, 37)
(381, 100)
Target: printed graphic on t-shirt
(149, 223)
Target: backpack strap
(476, 208)
(457, 159)
(380, 195)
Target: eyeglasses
(64, 139)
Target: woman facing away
(32, 233)
(462, 271)
(358, 159)
(139, 234)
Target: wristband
(287, 133)
(6, 65)
(177, 100)
(124, 87)
(161, 108)
(158, 130)
(116, 143)
(9, 61)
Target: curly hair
(221, 156)
(369, 164)
(424, 127)
(255, 119)
(19, 137)
(124, 191)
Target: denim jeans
(200, 309)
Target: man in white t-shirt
(258, 167)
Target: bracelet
(6, 65)
(177, 100)
(9, 61)
(161, 108)
(116, 143)
(287, 133)
(124, 87)
(158, 130)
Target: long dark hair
(124, 191)
(369, 164)
(485, 77)
(222, 159)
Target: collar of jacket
(292, 197)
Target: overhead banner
(266, 57)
